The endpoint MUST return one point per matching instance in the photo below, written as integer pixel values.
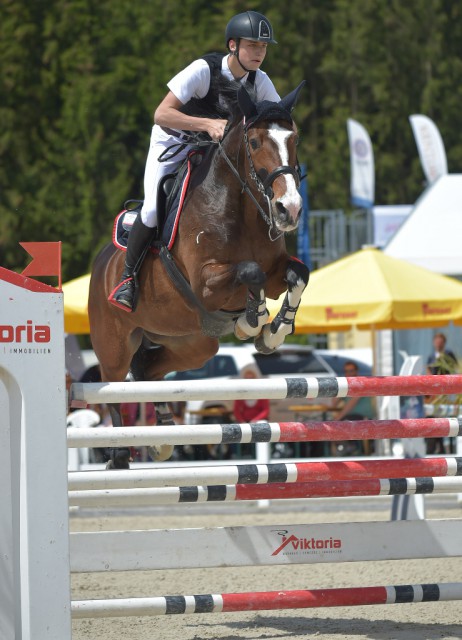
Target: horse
(228, 256)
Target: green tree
(80, 81)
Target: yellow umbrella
(370, 290)
(367, 289)
(76, 305)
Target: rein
(267, 217)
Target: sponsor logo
(293, 544)
(25, 333)
(360, 148)
(429, 311)
(340, 315)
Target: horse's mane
(228, 91)
(264, 110)
(226, 104)
(226, 107)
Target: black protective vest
(210, 105)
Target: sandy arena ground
(425, 621)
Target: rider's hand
(216, 128)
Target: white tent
(431, 236)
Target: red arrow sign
(46, 259)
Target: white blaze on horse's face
(286, 207)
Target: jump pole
(273, 388)
(267, 473)
(263, 432)
(34, 517)
(278, 491)
(266, 601)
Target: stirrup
(126, 290)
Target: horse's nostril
(282, 210)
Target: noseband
(263, 182)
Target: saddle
(171, 194)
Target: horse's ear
(290, 100)
(246, 104)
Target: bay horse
(228, 256)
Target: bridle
(262, 179)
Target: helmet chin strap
(236, 55)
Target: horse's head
(270, 138)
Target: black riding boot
(139, 239)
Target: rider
(196, 87)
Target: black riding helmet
(250, 25)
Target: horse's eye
(254, 143)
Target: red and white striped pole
(270, 600)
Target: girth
(213, 323)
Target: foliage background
(81, 78)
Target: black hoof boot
(120, 459)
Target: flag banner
(430, 147)
(362, 184)
(46, 259)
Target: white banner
(430, 147)
(362, 184)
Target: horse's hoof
(160, 454)
(240, 335)
(120, 459)
(262, 347)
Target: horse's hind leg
(146, 354)
(111, 349)
(176, 354)
(164, 419)
(118, 458)
(274, 334)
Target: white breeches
(155, 170)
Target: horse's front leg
(250, 324)
(274, 334)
